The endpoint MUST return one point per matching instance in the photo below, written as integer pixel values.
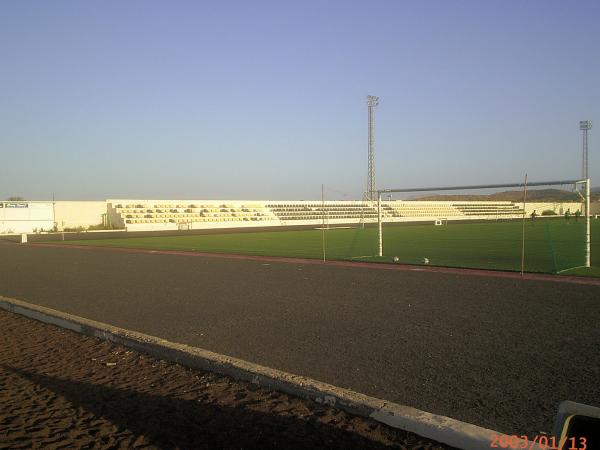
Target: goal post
(588, 230)
(584, 203)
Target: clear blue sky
(267, 99)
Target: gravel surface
(500, 353)
(59, 389)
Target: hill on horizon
(533, 195)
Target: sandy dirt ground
(59, 389)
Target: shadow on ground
(172, 423)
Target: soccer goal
(528, 227)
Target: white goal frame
(524, 186)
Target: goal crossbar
(524, 185)
(486, 186)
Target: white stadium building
(156, 215)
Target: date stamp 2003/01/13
(537, 442)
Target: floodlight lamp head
(372, 100)
(585, 124)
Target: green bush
(548, 212)
(99, 226)
(72, 229)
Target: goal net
(532, 227)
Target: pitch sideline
(339, 263)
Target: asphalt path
(497, 352)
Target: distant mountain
(533, 195)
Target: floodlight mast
(585, 126)
(372, 103)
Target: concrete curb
(439, 428)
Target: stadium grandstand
(156, 215)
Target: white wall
(78, 214)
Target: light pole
(372, 103)
(585, 126)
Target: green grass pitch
(552, 245)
